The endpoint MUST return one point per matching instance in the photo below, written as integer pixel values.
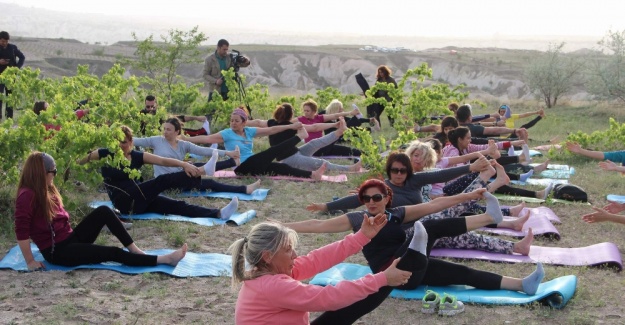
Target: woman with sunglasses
(41, 217)
(132, 196)
(399, 170)
(393, 242)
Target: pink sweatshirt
(283, 299)
(450, 151)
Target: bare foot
(518, 223)
(313, 207)
(487, 173)
(342, 127)
(237, 161)
(356, 167)
(523, 246)
(252, 187)
(515, 210)
(302, 133)
(540, 168)
(501, 180)
(376, 125)
(174, 257)
(316, 175)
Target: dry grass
(101, 297)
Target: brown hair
(311, 103)
(34, 177)
(283, 113)
(39, 107)
(383, 72)
(401, 158)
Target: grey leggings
(303, 158)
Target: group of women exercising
(429, 199)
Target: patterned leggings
(471, 239)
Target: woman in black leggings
(40, 216)
(132, 196)
(392, 242)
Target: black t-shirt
(476, 130)
(383, 246)
(115, 178)
(276, 139)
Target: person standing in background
(10, 56)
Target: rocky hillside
(487, 72)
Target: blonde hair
(264, 237)
(428, 155)
(334, 107)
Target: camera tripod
(242, 95)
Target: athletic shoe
(450, 306)
(430, 302)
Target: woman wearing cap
(40, 216)
(240, 136)
(505, 113)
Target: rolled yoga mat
(555, 293)
(236, 220)
(326, 178)
(595, 255)
(192, 264)
(616, 198)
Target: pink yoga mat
(326, 178)
(539, 223)
(594, 255)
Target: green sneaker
(450, 306)
(430, 302)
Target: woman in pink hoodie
(272, 292)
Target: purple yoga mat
(539, 222)
(594, 255)
(326, 178)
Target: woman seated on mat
(400, 177)
(40, 216)
(336, 106)
(460, 144)
(262, 163)
(414, 251)
(272, 292)
(505, 113)
(132, 196)
(311, 117)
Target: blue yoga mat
(616, 198)
(236, 220)
(555, 293)
(258, 195)
(192, 264)
(540, 181)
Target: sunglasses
(375, 197)
(52, 172)
(399, 170)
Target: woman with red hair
(392, 242)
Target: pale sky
(433, 18)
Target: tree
(553, 74)
(607, 72)
(161, 61)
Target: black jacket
(12, 53)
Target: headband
(240, 113)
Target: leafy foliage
(607, 72)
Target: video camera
(237, 59)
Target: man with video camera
(218, 61)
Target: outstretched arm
(190, 169)
(320, 126)
(601, 215)
(261, 132)
(415, 212)
(332, 117)
(204, 139)
(334, 225)
(577, 149)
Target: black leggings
(262, 162)
(531, 123)
(337, 150)
(79, 247)
(425, 271)
(145, 197)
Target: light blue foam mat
(555, 293)
(539, 181)
(236, 220)
(557, 171)
(198, 157)
(532, 153)
(616, 198)
(193, 264)
(258, 195)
